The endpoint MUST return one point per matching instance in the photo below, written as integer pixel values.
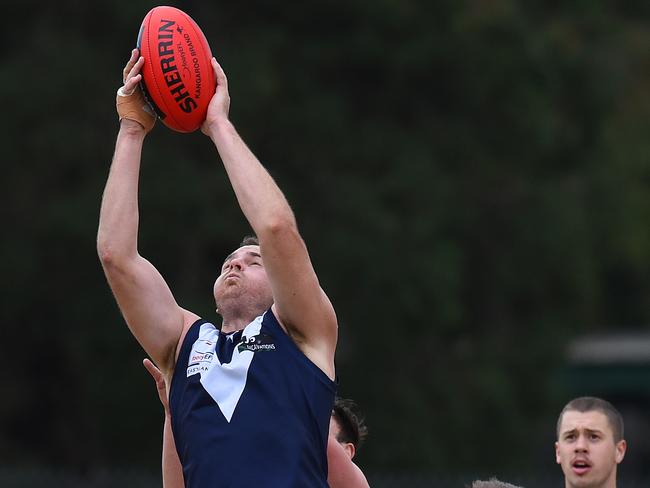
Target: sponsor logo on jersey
(259, 342)
(200, 358)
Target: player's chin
(582, 481)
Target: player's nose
(581, 444)
(236, 263)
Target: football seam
(160, 92)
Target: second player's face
(243, 277)
(586, 450)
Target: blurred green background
(472, 179)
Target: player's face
(586, 450)
(335, 430)
(243, 277)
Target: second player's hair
(588, 404)
(352, 427)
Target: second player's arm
(172, 470)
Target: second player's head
(346, 426)
(590, 443)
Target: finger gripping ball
(177, 75)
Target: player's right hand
(130, 101)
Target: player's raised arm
(144, 298)
(299, 302)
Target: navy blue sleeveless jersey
(257, 419)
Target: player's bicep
(149, 308)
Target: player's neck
(230, 327)
(237, 314)
(232, 322)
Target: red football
(177, 76)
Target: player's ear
(349, 449)
(621, 447)
(557, 453)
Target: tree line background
(472, 179)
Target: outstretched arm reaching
(299, 302)
(144, 298)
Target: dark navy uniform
(249, 409)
